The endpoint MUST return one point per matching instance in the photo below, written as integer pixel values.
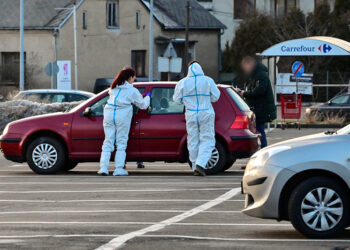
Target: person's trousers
(200, 137)
(261, 130)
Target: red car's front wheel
(46, 155)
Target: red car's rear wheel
(217, 162)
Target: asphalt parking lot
(160, 207)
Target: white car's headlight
(6, 129)
(261, 157)
(308, 110)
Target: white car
(53, 95)
(305, 181)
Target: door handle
(136, 122)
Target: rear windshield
(238, 100)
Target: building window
(138, 62)
(137, 20)
(112, 14)
(244, 8)
(10, 66)
(282, 7)
(84, 21)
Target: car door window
(33, 97)
(162, 102)
(76, 97)
(97, 107)
(136, 109)
(341, 100)
(58, 98)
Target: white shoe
(103, 172)
(120, 172)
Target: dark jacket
(259, 95)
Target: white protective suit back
(197, 92)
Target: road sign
(298, 69)
(51, 69)
(170, 51)
(64, 80)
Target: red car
(59, 141)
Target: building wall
(223, 10)
(103, 52)
(37, 57)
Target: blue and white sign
(311, 46)
(298, 69)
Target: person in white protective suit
(197, 92)
(117, 119)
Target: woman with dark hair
(117, 119)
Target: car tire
(306, 208)
(220, 165)
(229, 163)
(70, 165)
(46, 155)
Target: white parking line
(110, 190)
(94, 201)
(155, 225)
(142, 176)
(110, 211)
(117, 183)
(120, 240)
(173, 236)
(245, 239)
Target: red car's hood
(46, 122)
(43, 117)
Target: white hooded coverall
(116, 123)
(197, 92)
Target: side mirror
(87, 112)
(329, 102)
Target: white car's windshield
(344, 131)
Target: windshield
(242, 105)
(81, 104)
(344, 131)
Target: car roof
(170, 83)
(39, 91)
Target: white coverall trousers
(116, 124)
(200, 136)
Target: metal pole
(275, 82)
(151, 42)
(75, 47)
(187, 32)
(21, 55)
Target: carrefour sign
(305, 47)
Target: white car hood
(305, 140)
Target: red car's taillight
(241, 122)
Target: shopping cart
(291, 108)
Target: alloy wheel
(215, 157)
(44, 156)
(322, 209)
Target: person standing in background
(258, 94)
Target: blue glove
(148, 94)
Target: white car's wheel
(318, 207)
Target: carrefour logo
(325, 48)
(301, 48)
